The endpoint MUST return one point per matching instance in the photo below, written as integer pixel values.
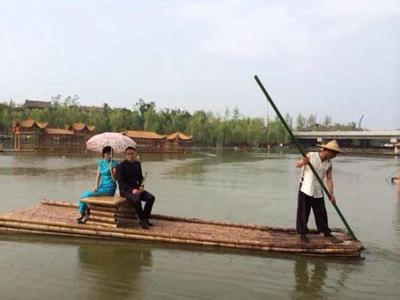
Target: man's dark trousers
(136, 200)
(304, 205)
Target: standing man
(310, 191)
(131, 186)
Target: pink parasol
(115, 140)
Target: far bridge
(372, 139)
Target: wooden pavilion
(82, 132)
(179, 142)
(147, 141)
(30, 135)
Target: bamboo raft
(59, 218)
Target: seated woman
(105, 182)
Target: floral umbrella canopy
(115, 140)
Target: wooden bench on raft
(111, 211)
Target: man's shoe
(304, 238)
(144, 224)
(149, 223)
(332, 238)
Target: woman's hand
(95, 189)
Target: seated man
(131, 186)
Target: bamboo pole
(101, 219)
(115, 215)
(300, 148)
(100, 213)
(126, 220)
(58, 203)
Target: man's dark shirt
(129, 176)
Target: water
(248, 187)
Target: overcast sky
(338, 58)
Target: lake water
(248, 187)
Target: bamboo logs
(110, 211)
(51, 218)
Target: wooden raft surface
(58, 217)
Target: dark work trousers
(304, 205)
(136, 200)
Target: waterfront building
(179, 142)
(30, 135)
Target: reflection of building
(149, 141)
(37, 136)
(179, 142)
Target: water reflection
(44, 171)
(309, 276)
(249, 187)
(200, 160)
(192, 168)
(112, 271)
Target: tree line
(206, 127)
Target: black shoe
(144, 224)
(79, 220)
(84, 219)
(304, 238)
(149, 223)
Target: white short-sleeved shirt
(310, 185)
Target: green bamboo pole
(304, 154)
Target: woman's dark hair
(130, 148)
(106, 149)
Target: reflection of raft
(58, 218)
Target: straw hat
(332, 145)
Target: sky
(336, 58)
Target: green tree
(300, 122)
